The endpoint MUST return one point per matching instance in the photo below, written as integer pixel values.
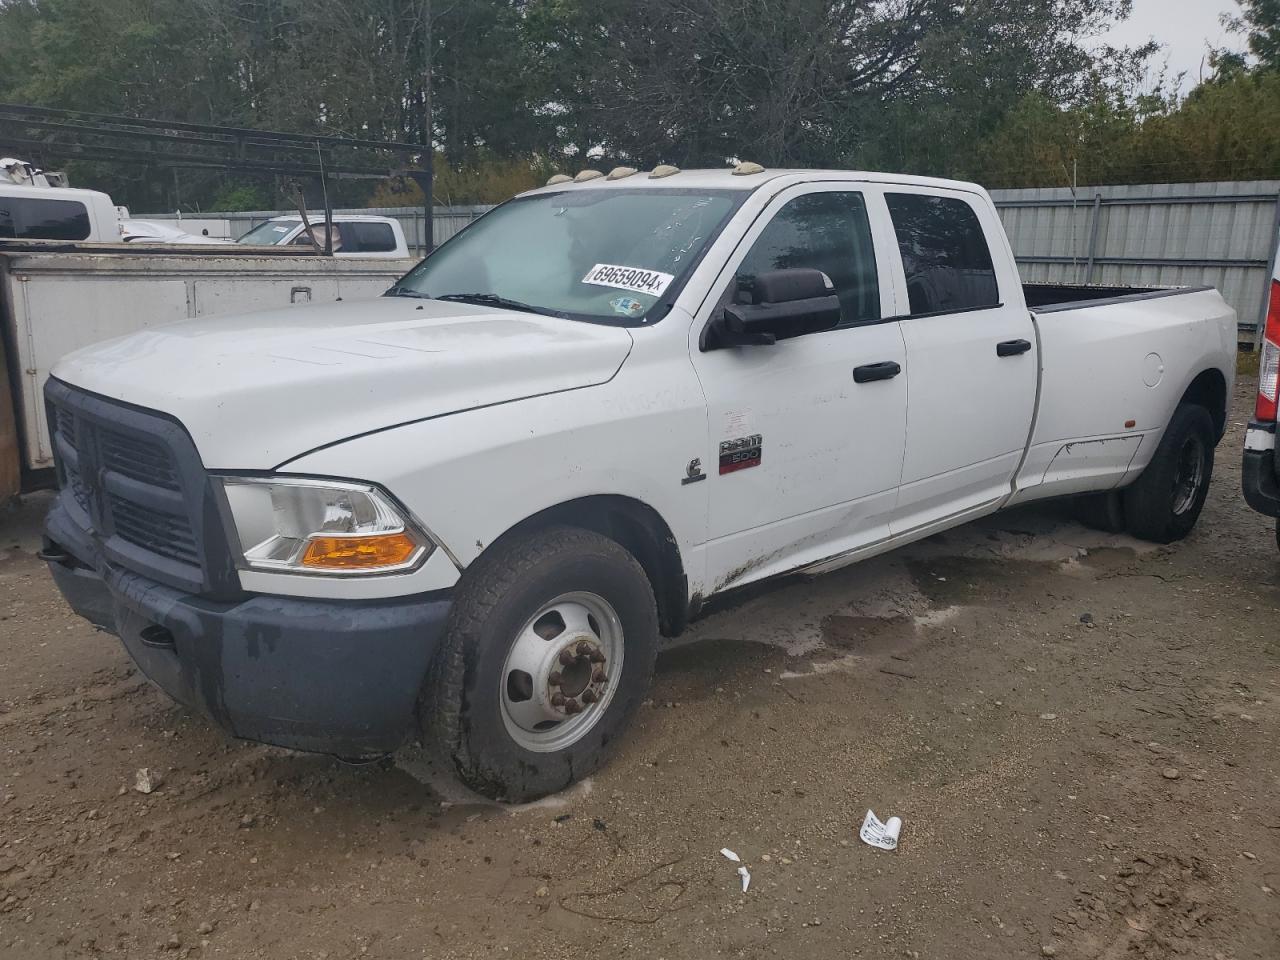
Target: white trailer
(56, 298)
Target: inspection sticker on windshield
(635, 279)
(627, 306)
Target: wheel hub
(557, 678)
(1188, 475)
(578, 679)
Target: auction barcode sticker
(635, 279)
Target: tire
(500, 669)
(1101, 511)
(1164, 503)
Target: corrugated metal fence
(1193, 234)
(1189, 234)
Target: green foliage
(240, 197)
(1260, 21)
(1008, 92)
(1228, 128)
(483, 180)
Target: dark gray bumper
(1259, 475)
(337, 677)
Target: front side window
(828, 232)
(34, 218)
(611, 255)
(944, 253)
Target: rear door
(971, 356)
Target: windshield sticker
(635, 279)
(627, 306)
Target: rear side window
(33, 218)
(361, 237)
(828, 232)
(944, 253)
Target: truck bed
(1055, 297)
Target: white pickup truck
(467, 511)
(354, 236)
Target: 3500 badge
(741, 453)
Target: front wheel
(550, 649)
(1164, 503)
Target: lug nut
(584, 649)
(571, 706)
(589, 696)
(566, 656)
(557, 699)
(597, 656)
(555, 678)
(599, 676)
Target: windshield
(608, 256)
(270, 233)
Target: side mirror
(774, 306)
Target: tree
(1004, 91)
(1260, 23)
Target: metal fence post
(1093, 237)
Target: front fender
(472, 476)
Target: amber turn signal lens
(359, 553)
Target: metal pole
(428, 136)
(1093, 237)
(1266, 282)
(328, 208)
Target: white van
(57, 213)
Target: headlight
(297, 525)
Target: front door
(972, 360)
(805, 459)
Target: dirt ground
(1078, 731)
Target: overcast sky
(1183, 26)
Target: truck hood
(257, 390)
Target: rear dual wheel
(549, 651)
(1165, 502)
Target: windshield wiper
(493, 300)
(399, 291)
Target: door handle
(1012, 348)
(876, 371)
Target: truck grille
(162, 533)
(137, 458)
(132, 482)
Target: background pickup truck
(467, 510)
(354, 236)
(1261, 467)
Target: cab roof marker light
(618, 173)
(747, 169)
(559, 178)
(585, 175)
(663, 170)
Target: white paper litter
(730, 855)
(745, 874)
(883, 836)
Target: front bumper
(1259, 475)
(337, 677)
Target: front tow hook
(52, 553)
